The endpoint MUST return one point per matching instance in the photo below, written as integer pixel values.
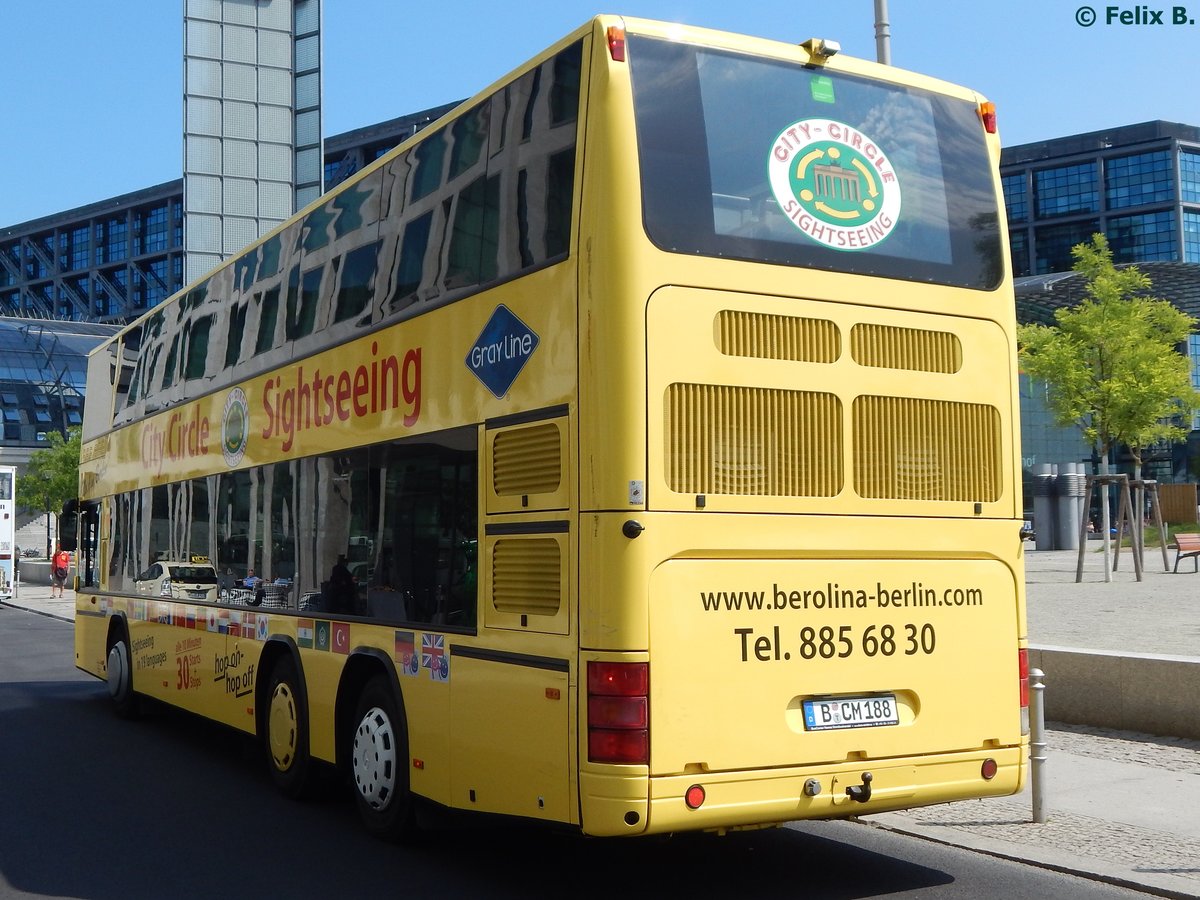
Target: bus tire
(379, 763)
(286, 738)
(119, 675)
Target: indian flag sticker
(835, 184)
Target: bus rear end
(802, 593)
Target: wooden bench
(1187, 545)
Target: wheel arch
(275, 649)
(363, 665)
(118, 626)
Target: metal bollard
(1037, 743)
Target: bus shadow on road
(175, 800)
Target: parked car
(178, 580)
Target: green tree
(1112, 363)
(52, 476)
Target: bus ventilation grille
(753, 441)
(526, 576)
(887, 347)
(527, 461)
(764, 442)
(910, 449)
(777, 337)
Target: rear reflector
(694, 796)
(618, 712)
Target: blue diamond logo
(501, 351)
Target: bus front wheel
(379, 763)
(287, 731)
(119, 675)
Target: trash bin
(1070, 486)
(1043, 506)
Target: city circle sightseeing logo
(235, 427)
(835, 184)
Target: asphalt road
(174, 807)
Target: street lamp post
(883, 34)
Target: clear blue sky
(92, 99)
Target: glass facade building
(113, 260)
(1137, 184)
(1045, 442)
(43, 374)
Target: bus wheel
(120, 679)
(287, 731)
(379, 763)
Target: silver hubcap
(375, 762)
(118, 671)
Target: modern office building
(112, 260)
(1140, 186)
(1137, 184)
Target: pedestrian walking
(60, 565)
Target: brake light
(618, 711)
(987, 112)
(616, 43)
(1023, 674)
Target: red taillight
(608, 746)
(613, 679)
(1023, 674)
(616, 43)
(618, 712)
(987, 112)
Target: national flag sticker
(433, 656)
(406, 653)
(341, 637)
(322, 639)
(304, 633)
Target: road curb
(37, 612)
(1041, 857)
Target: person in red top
(59, 566)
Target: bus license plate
(851, 712)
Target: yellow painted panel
(511, 739)
(773, 633)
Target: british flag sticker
(433, 656)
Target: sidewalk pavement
(1122, 807)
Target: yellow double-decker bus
(633, 449)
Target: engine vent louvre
(910, 449)
(526, 576)
(777, 337)
(753, 441)
(526, 461)
(887, 347)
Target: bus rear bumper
(735, 800)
